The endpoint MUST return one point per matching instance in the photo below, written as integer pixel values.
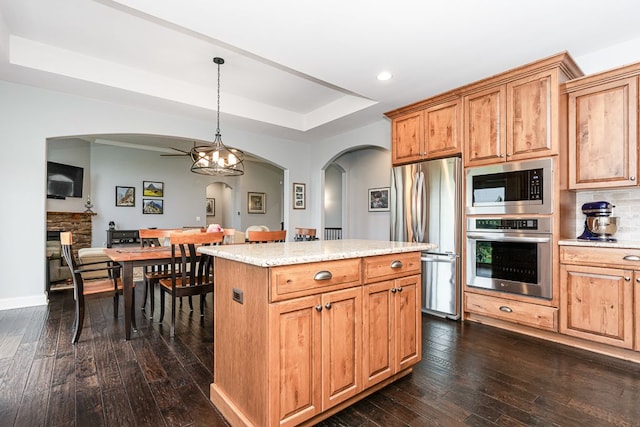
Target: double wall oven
(509, 227)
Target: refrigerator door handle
(419, 198)
(414, 208)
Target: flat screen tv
(64, 180)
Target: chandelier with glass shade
(216, 158)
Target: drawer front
(385, 267)
(523, 313)
(612, 257)
(293, 281)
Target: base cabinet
(597, 295)
(391, 338)
(290, 340)
(523, 313)
(597, 304)
(319, 360)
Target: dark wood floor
(470, 375)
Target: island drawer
(385, 267)
(537, 316)
(298, 280)
(602, 257)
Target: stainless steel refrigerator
(426, 206)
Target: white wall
(29, 116)
(365, 169)
(333, 197)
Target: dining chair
(266, 236)
(84, 287)
(303, 233)
(191, 273)
(229, 236)
(153, 237)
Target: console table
(120, 237)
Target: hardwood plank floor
(470, 374)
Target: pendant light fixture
(216, 158)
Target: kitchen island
(305, 329)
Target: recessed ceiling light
(385, 75)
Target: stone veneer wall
(78, 223)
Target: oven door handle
(546, 238)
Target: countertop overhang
(623, 244)
(287, 253)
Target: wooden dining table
(129, 258)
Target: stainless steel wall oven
(510, 255)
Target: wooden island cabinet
(304, 329)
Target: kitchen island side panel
(240, 335)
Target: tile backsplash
(627, 209)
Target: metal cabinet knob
(399, 288)
(627, 278)
(323, 275)
(394, 290)
(319, 307)
(632, 178)
(328, 306)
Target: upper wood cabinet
(431, 129)
(603, 129)
(516, 115)
(407, 138)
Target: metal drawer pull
(323, 275)
(631, 258)
(396, 264)
(506, 309)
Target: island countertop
(275, 254)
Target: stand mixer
(599, 225)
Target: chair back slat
(303, 233)
(266, 236)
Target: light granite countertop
(274, 254)
(624, 244)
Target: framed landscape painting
(256, 203)
(152, 206)
(152, 189)
(378, 199)
(125, 196)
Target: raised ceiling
(301, 70)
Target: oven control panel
(541, 225)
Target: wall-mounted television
(64, 180)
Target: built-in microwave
(523, 187)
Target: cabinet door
(597, 304)
(530, 112)
(408, 322)
(407, 138)
(636, 300)
(443, 129)
(341, 345)
(297, 378)
(484, 126)
(378, 332)
(603, 135)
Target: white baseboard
(22, 302)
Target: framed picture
(256, 203)
(152, 189)
(152, 206)
(125, 196)
(299, 196)
(211, 206)
(379, 199)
